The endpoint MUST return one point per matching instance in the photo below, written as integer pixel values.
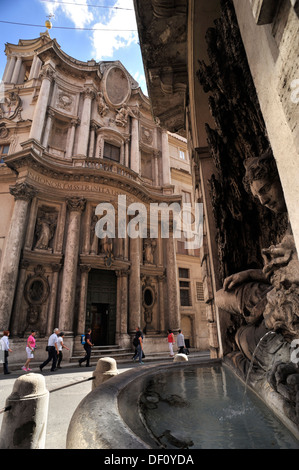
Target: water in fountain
(253, 356)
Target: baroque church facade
(74, 136)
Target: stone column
(156, 167)
(10, 69)
(99, 146)
(87, 228)
(76, 205)
(135, 157)
(19, 318)
(28, 245)
(122, 305)
(47, 76)
(33, 65)
(127, 153)
(50, 116)
(53, 299)
(23, 193)
(85, 121)
(165, 159)
(83, 297)
(71, 138)
(16, 72)
(173, 319)
(134, 285)
(161, 303)
(93, 128)
(10, 65)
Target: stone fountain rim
(103, 427)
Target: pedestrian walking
(52, 349)
(61, 346)
(136, 340)
(87, 346)
(170, 339)
(30, 347)
(180, 341)
(139, 347)
(5, 347)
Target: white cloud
(140, 78)
(79, 15)
(105, 43)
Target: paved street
(62, 403)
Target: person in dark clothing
(52, 349)
(139, 347)
(87, 346)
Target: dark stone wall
(243, 225)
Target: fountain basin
(175, 406)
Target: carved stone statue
(122, 116)
(267, 300)
(106, 245)
(102, 106)
(149, 248)
(45, 229)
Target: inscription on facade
(76, 186)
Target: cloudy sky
(85, 29)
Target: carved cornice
(62, 177)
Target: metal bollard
(24, 425)
(105, 369)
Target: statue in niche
(45, 229)
(149, 248)
(102, 107)
(266, 299)
(106, 245)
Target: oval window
(148, 297)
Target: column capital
(89, 92)
(122, 272)
(23, 191)
(85, 268)
(56, 267)
(48, 72)
(76, 204)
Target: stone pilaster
(76, 206)
(23, 193)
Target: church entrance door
(101, 305)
